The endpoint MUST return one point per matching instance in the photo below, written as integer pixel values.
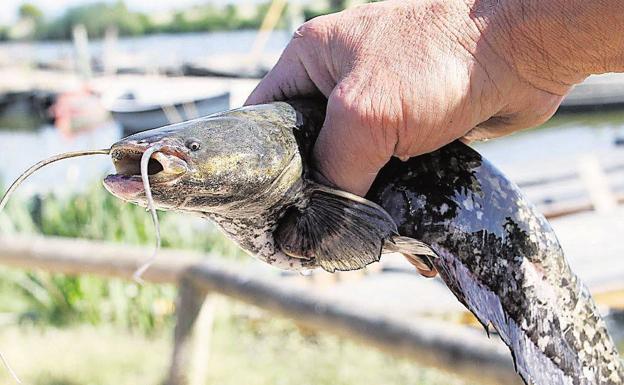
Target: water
(156, 50)
(552, 149)
(557, 147)
(20, 150)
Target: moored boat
(136, 114)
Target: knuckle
(346, 101)
(315, 29)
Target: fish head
(233, 161)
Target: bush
(96, 18)
(60, 300)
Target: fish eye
(193, 145)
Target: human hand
(404, 78)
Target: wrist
(554, 44)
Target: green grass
(275, 351)
(82, 355)
(98, 215)
(87, 330)
(248, 347)
(40, 297)
(59, 330)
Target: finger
(288, 79)
(346, 153)
(536, 110)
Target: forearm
(557, 43)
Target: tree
(337, 4)
(30, 11)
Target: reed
(44, 298)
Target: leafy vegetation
(28, 10)
(113, 331)
(45, 298)
(98, 17)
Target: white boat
(135, 116)
(158, 104)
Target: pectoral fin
(343, 232)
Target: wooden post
(269, 23)
(459, 350)
(83, 56)
(597, 184)
(193, 330)
(109, 54)
(462, 351)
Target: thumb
(347, 152)
(289, 78)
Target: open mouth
(164, 166)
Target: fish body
(450, 211)
(502, 260)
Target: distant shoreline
(100, 39)
(98, 18)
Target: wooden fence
(588, 186)
(458, 350)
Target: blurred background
(78, 74)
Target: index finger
(289, 78)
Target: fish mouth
(165, 166)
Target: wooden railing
(591, 186)
(455, 349)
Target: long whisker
(17, 183)
(8, 367)
(43, 163)
(152, 208)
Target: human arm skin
(405, 77)
(555, 44)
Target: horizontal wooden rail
(463, 351)
(452, 348)
(553, 179)
(75, 256)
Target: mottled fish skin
(495, 252)
(502, 260)
(248, 170)
(253, 228)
